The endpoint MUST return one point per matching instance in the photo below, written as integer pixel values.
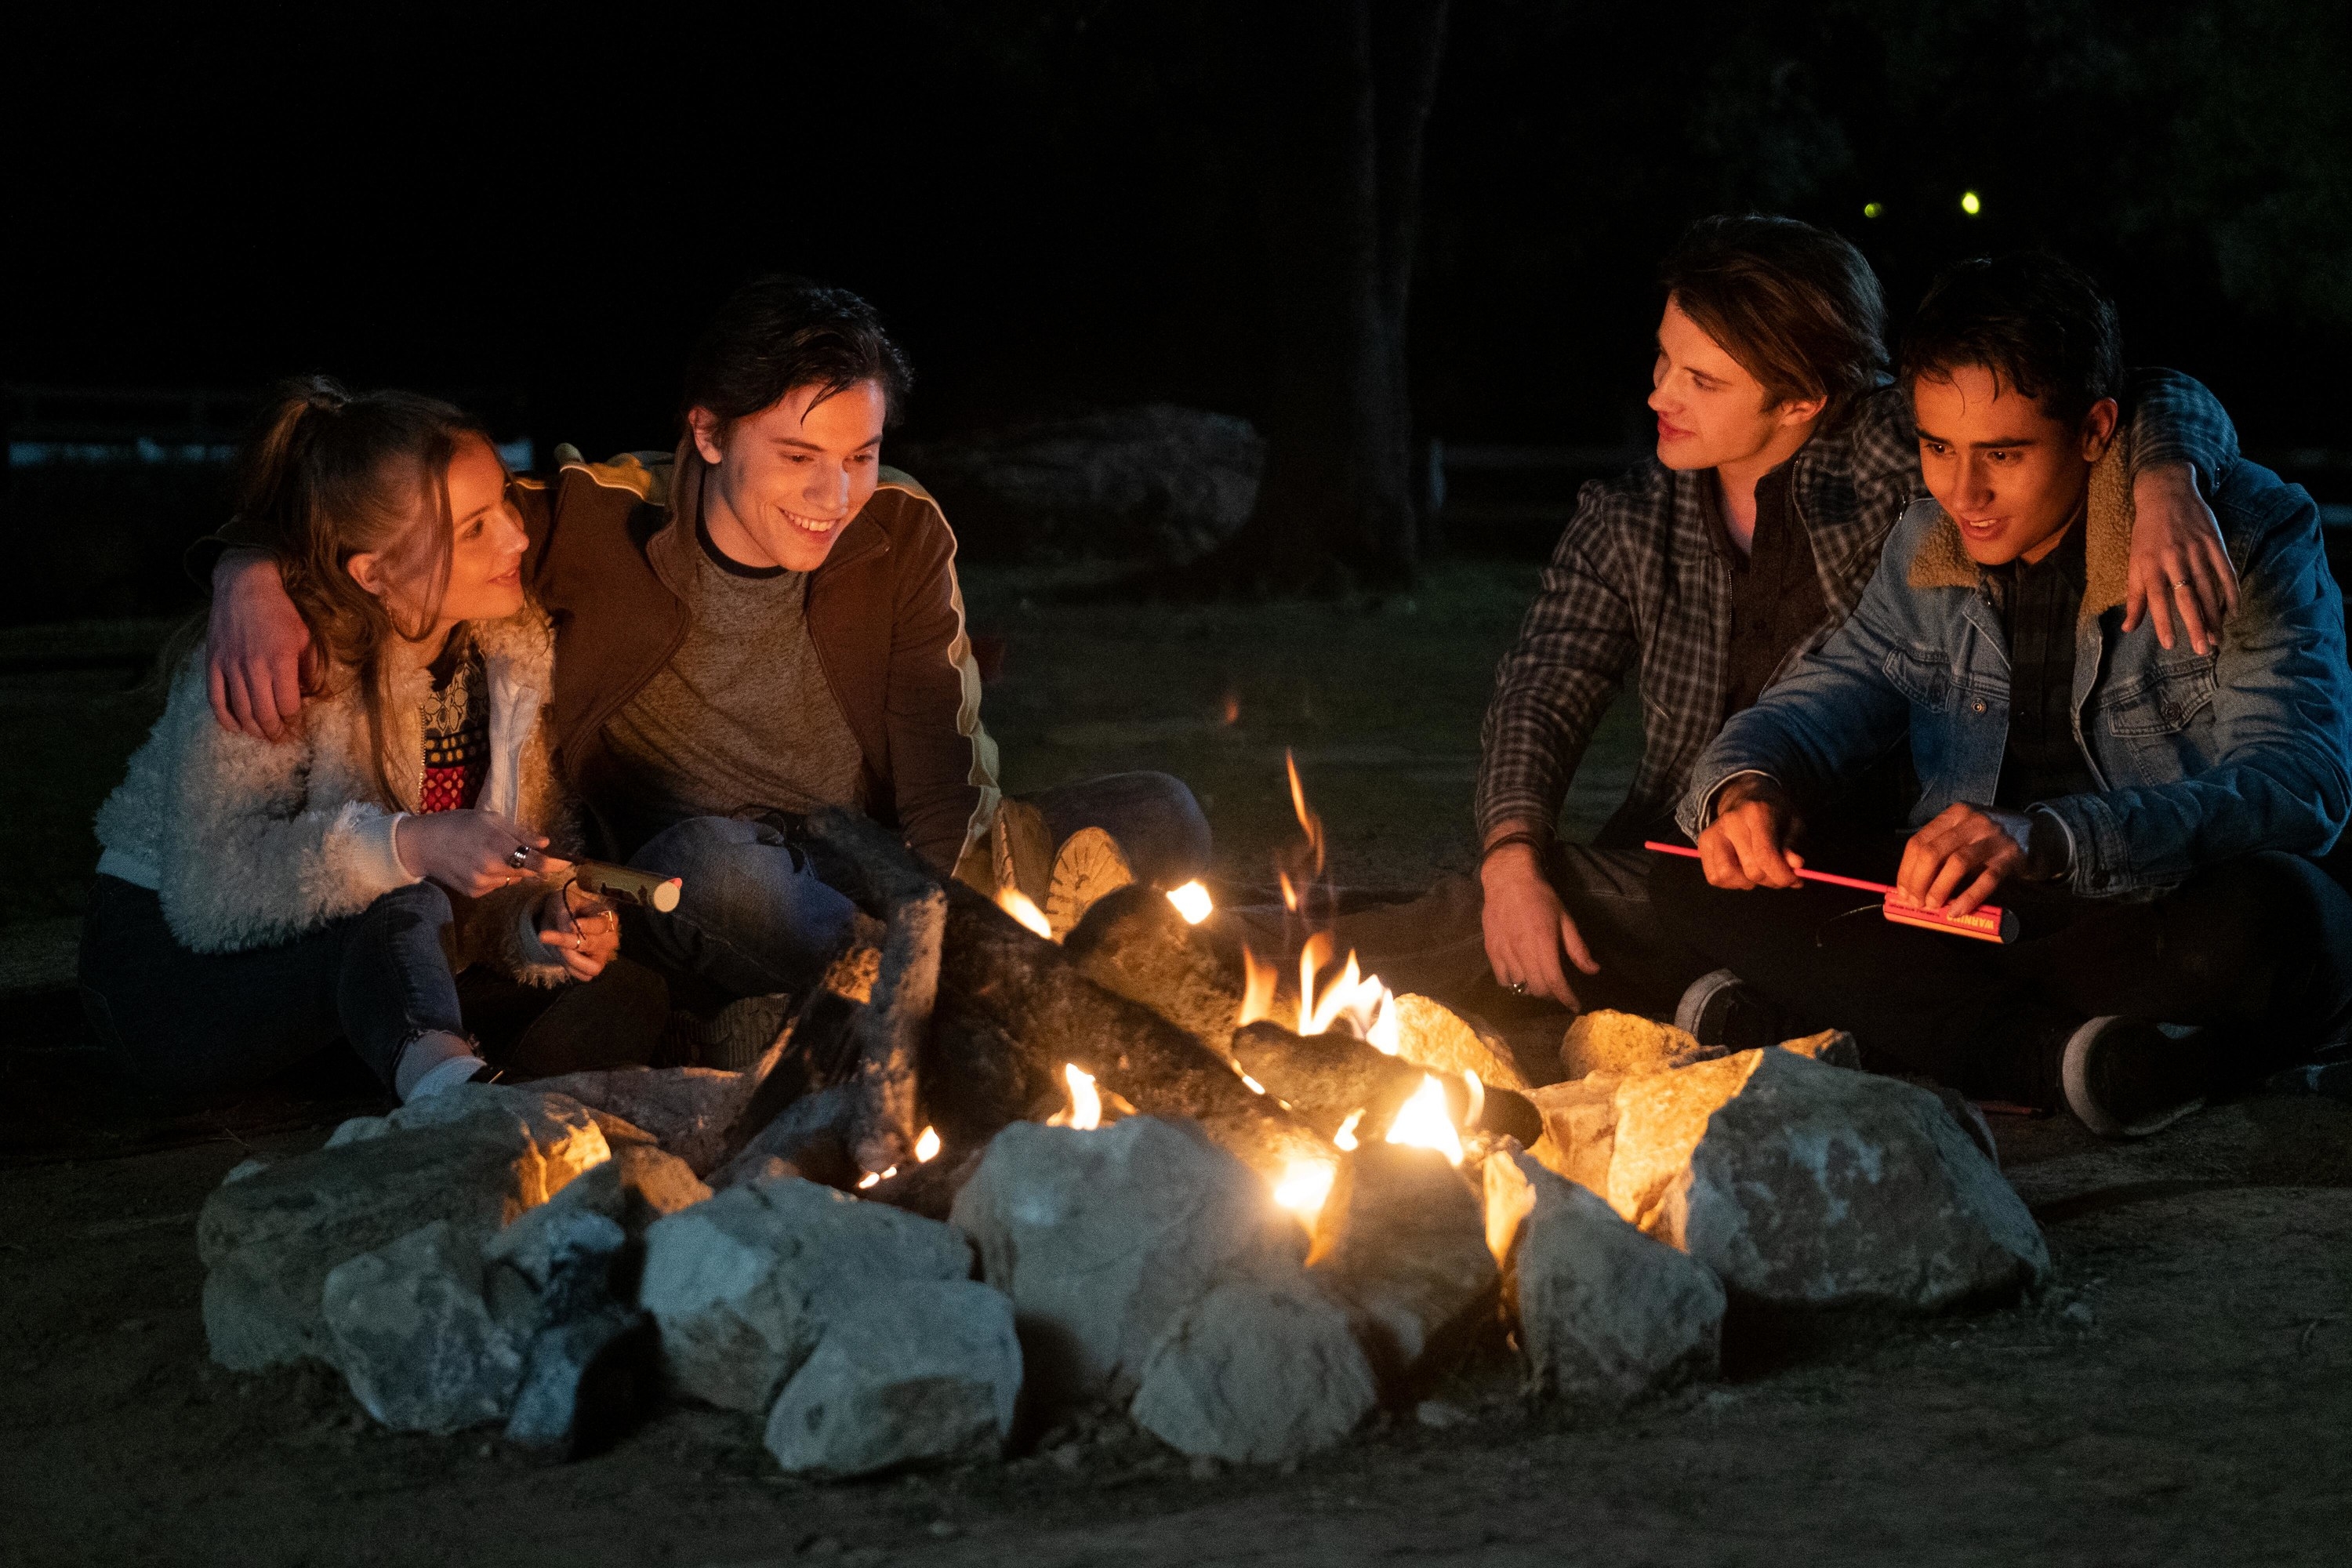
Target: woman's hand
(472, 853)
(2178, 564)
(580, 928)
(1527, 928)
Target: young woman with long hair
(257, 900)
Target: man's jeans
(2260, 946)
(754, 919)
(193, 1023)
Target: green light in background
(1873, 210)
(1969, 204)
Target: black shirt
(2039, 606)
(1776, 591)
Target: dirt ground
(2180, 1392)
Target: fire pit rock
(416, 1337)
(687, 1110)
(1259, 1370)
(1402, 1243)
(269, 1239)
(1579, 1120)
(1806, 1184)
(745, 1284)
(929, 1371)
(1626, 1045)
(1433, 1037)
(1104, 1237)
(1605, 1314)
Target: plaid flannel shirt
(1637, 584)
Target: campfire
(1250, 1196)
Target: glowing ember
(1254, 1087)
(1304, 1185)
(1233, 708)
(1258, 983)
(1086, 1106)
(1191, 902)
(1346, 1137)
(927, 1147)
(1023, 908)
(876, 1178)
(1421, 1121)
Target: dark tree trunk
(1341, 196)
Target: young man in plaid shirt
(1785, 456)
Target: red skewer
(1986, 922)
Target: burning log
(1135, 944)
(1332, 1081)
(1013, 1007)
(887, 1033)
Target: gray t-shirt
(742, 715)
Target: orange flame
(1085, 1112)
(1258, 983)
(1192, 901)
(1309, 823)
(1024, 908)
(1232, 707)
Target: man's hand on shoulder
(255, 643)
(1747, 844)
(2179, 564)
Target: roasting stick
(1986, 922)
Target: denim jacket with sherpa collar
(2199, 758)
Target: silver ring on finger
(1518, 987)
(521, 857)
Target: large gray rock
(1103, 1238)
(269, 1239)
(1806, 1184)
(1604, 1312)
(636, 1187)
(745, 1284)
(928, 1370)
(687, 1110)
(585, 1381)
(1400, 1242)
(554, 1121)
(414, 1337)
(1260, 1370)
(1155, 480)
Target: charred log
(1325, 1079)
(1013, 1008)
(1134, 944)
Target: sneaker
(1089, 863)
(1722, 1010)
(739, 1035)
(1021, 852)
(2126, 1078)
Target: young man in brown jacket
(767, 622)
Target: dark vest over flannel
(1638, 586)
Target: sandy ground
(2181, 1393)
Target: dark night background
(1060, 206)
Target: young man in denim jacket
(2154, 816)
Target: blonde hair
(329, 475)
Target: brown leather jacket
(608, 541)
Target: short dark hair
(780, 331)
(1797, 306)
(2038, 323)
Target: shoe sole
(1691, 1012)
(2074, 1079)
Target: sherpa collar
(1942, 562)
